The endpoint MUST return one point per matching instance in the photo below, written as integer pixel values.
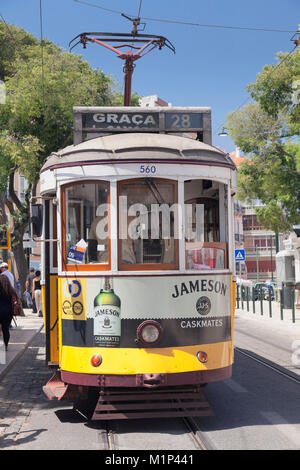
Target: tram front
(138, 288)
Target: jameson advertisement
(107, 316)
(108, 310)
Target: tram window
(204, 248)
(148, 224)
(86, 223)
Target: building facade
(259, 243)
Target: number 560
(148, 169)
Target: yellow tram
(137, 261)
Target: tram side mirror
(36, 220)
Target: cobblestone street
(20, 392)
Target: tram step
(136, 405)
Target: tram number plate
(148, 169)
(184, 121)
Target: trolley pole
(141, 44)
(128, 71)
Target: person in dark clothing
(37, 293)
(28, 293)
(7, 292)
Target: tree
(17, 154)
(268, 130)
(43, 83)
(277, 89)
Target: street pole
(272, 258)
(277, 242)
(257, 266)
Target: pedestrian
(7, 294)
(37, 293)
(5, 272)
(28, 290)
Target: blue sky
(211, 67)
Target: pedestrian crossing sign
(239, 255)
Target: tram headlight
(149, 333)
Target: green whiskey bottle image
(107, 316)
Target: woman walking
(37, 293)
(7, 293)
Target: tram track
(108, 435)
(267, 363)
(196, 434)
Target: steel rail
(278, 369)
(107, 436)
(195, 434)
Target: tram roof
(138, 147)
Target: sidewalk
(266, 319)
(20, 338)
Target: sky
(212, 66)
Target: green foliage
(14, 43)
(252, 128)
(42, 86)
(261, 129)
(43, 83)
(18, 152)
(277, 91)
(272, 178)
(40, 99)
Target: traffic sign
(240, 255)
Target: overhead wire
(140, 7)
(42, 55)
(188, 23)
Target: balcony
(261, 250)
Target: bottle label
(107, 325)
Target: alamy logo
(153, 222)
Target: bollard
(261, 301)
(247, 299)
(270, 304)
(242, 297)
(281, 305)
(293, 305)
(253, 299)
(237, 296)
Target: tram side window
(86, 223)
(205, 225)
(148, 224)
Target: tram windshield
(87, 227)
(148, 224)
(205, 225)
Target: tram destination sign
(103, 120)
(117, 121)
